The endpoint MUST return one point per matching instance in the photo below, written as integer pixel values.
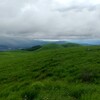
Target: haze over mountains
(12, 44)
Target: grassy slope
(56, 74)
(52, 46)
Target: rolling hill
(53, 72)
(52, 46)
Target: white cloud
(50, 19)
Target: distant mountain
(86, 42)
(12, 44)
(3, 47)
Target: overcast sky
(50, 19)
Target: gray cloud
(50, 19)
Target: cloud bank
(50, 19)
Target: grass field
(71, 73)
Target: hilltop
(52, 72)
(52, 46)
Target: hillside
(52, 46)
(51, 74)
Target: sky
(49, 19)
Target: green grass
(51, 74)
(52, 46)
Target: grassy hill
(52, 46)
(51, 74)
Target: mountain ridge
(21, 44)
